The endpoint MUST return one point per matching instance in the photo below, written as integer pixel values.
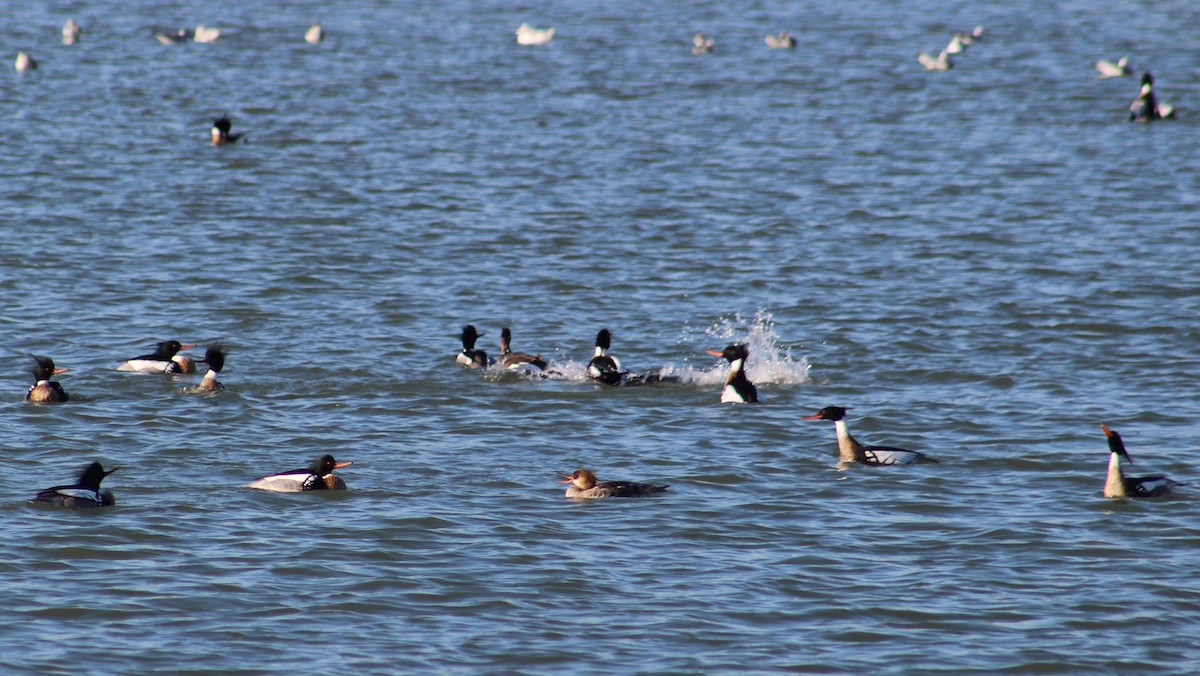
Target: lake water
(985, 264)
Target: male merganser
(162, 360)
(738, 388)
(24, 63)
(206, 35)
(317, 476)
(1109, 69)
(71, 32)
(583, 486)
(44, 389)
(173, 37)
(220, 131)
(469, 356)
(849, 450)
(215, 358)
(604, 367)
(1146, 108)
(936, 63)
(1120, 486)
(82, 494)
(701, 44)
(781, 41)
(516, 360)
(314, 34)
(528, 35)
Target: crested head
(604, 339)
(215, 357)
(834, 413)
(326, 464)
(733, 352)
(1115, 444)
(43, 367)
(93, 474)
(469, 336)
(222, 125)
(505, 338)
(582, 479)
(168, 348)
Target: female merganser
(528, 35)
(314, 34)
(1120, 486)
(220, 132)
(24, 63)
(470, 357)
(44, 389)
(738, 388)
(781, 41)
(1109, 69)
(317, 476)
(71, 32)
(1146, 108)
(517, 360)
(584, 487)
(849, 450)
(162, 360)
(83, 493)
(215, 358)
(604, 367)
(701, 44)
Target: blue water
(985, 264)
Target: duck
(781, 41)
(85, 493)
(941, 62)
(162, 360)
(469, 356)
(24, 63)
(738, 388)
(850, 451)
(314, 34)
(206, 35)
(1146, 108)
(71, 32)
(173, 37)
(45, 390)
(970, 38)
(220, 131)
(603, 367)
(956, 44)
(1109, 69)
(214, 356)
(1120, 486)
(583, 486)
(517, 360)
(528, 35)
(317, 476)
(701, 44)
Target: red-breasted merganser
(849, 450)
(82, 494)
(44, 389)
(583, 486)
(1120, 486)
(215, 358)
(517, 360)
(738, 388)
(1146, 108)
(71, 32)
(604, 367)
(162, 360)
(220, 132)
(317, 476)
(469, 356)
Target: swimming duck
(215, 358)
(469, 356)
(583, 486)
(517, 360)
(781, 41)
(71, 32)
(849, 450)
(1120, 486)
(44, 389)
(970, 38)
(82, 494)
(314, 34)
(173, 37)
(604, 367)
(162, 360)
(701, 44)
(25, 63)
(941, 62)
(1146, 108)
(220, 131)
(956, 45)
(528, 35)
(738, 388)
(317, 476)
(206, 35)
(1109, 69)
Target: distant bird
(603, 367)
(738, 388)
(956, 45)
(528, 35)
(173, 37)
(215, 358)
(1109, 69)
(850, 451)
(701, 44)
(164, 359)
(970, 38)
(1120, 486)
(781, 41)
(314, 34)
(44, 389)
(25, 63)
(83, 494)
(1146, 108)
(206, 35)
(469, 356)
(317, 476)
(221, 134)
(583, 486)
(71, 32)
(941, 62)
(517, 360)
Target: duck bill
(567, 479)
(187, 347)
(111, 471)
(715, 353)
(1104, 428)
(58, 371)
(815, 416)
(339, 465)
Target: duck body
(851, 451)
(528, 35)
(43, 389)
(162, 360)
(83, 494)
(603, 367)
(469, 356)
(215, 358)
(941, 62)
(221, 134)
(24, 63)
(738, 388)
(1117, 485)
(701, 44)
(781, 41)
(1109, 69)
(206, 35)
(317, 476)
(173, 37)
(583, 486)
(1146, 108)
(71, 32)
(517, 361)
(314, 34)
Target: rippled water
(985, 264)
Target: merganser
(71, 32)
(317, 476)
(220, 132)
(44, 389)
(1109, 69)
(314, 34)
(82, 494)
(215, 358)
(173, 37)
(469, 356)
(206, 35)
(1146, 108)
(956, 45)
(24, 63)
(162, 360)
(936, 63)
(604, 367)
(516, 360)
(738, 388)
(1120, 486)
(701, 44)
(849, 450)
(970, 38)
(583, 486)
(781, 41)
(528, 35)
